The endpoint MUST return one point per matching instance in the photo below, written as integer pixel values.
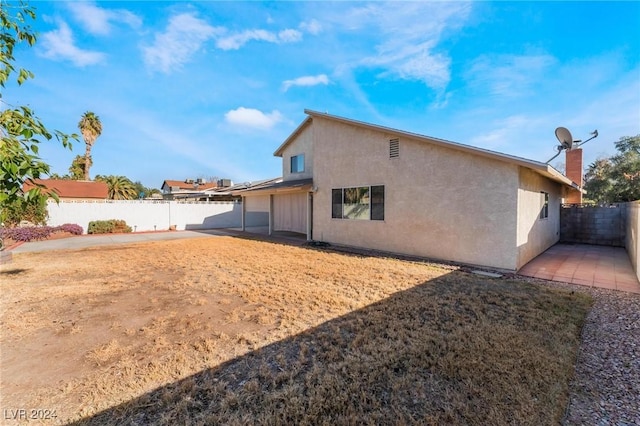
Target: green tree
(90, 127)
(77, 168)
(59, 177)
(143, 191)
(617, 178)
(33, 210)
(120, 187)
(21, 131)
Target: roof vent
(394, 148)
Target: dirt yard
(233, 330)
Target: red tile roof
(72, 188)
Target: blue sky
(200, 89)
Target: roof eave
(292, 136)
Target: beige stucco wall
(256, 210)
(257, 203)
(535, 235)
(633, 235)
(303, 144)
(439, 202)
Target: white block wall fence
(147, 215)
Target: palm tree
(90, 127)
(76, 171)
(120, 187)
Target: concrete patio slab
(583, 264)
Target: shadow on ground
(460, 349)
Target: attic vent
(394, 148)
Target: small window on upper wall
(297, 163)
(544, 211)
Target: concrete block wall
(143, 215)
(594, 225)
(633, 235)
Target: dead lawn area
(235, 331)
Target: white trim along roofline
(538, 167)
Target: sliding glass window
(360, 203)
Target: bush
(71, 228)
(112, 226)
(33, 210)
(34, 233)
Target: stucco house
(363, 185)
(189, 188)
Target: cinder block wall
(594, 225)
(633, 235)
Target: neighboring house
(362, 185)
(71, 189)
(189, 189)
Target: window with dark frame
(297, 163)
(544, 212)
(360, 203)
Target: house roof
(541, 168)
(70, 188)
(240, 187)
(192, 186)
(278, 185)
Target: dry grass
(225, 330)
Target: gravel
(606, 387)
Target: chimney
(574, 172)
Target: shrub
(108, 226)
(71, 228)
(34, 233)
(33, 210)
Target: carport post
(309, 214)
(270, 214)
(244, 212)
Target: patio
(590, 265)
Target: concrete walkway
(84, 241)
(594, 266)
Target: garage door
(290, 212)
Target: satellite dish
(564, 136)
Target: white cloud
(249, 117)
(503, 132)
(406, 37)
(183, 36)
(312, 27)
(236, 41)
(307, 80)
(289, 36)
(59, 45)
(509, 75)
(97, 20)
